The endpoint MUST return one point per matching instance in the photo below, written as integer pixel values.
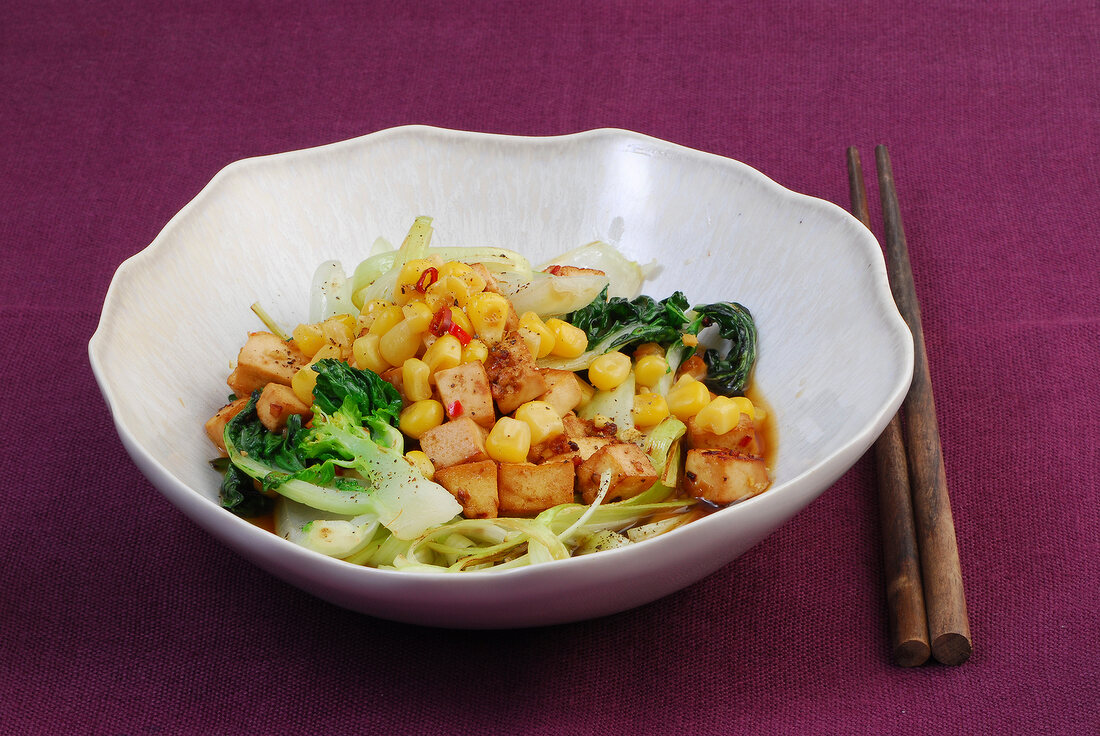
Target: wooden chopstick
(944, 601)
(904, 593)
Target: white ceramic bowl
(835, 356)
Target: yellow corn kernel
(418, 315)
(385, 318)
(488, 314)
(530, 339)
(687, 397)
(405, 288)
(308, 338)
(650, 409)
(540, 417)
(420, 416)
(414, 380)
(400, 343)
(446, 352)
(719, 416)
(327, 351)
(475, 352)
(533, 322)
(745, 406)
(447, 291)
(302, 383)
(509, 441)
(473, 282)
(609, 371)
(569, 341)
(650, 369)
(421, 462)
(373, 306)
(459, 318)
(338, 331)
(366, 354)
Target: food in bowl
(455, 409)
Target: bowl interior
(835, 356)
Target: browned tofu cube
(574, 425)
(631, 472)
(526, 489)
(722, 477)
(474, 485)
(580, 448)
(464, 391)
(215, 425)
(453, 443)
(265, 359)
(742, 439)
(514, 378)
(563, 390)
(276, 403)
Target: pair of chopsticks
(927, 607)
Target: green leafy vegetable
(338, 465)
(729, 370)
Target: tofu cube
(580, 448)
(265, 359)
(215, 425)
(526, 489)
(465, 389)
(631, 472)
(563, 390)
(474, 485)
(514, 377)
(742, 439)
(722, 477)
(276, 403)
(453, 443)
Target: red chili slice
(461, 334)
(441, 322)
(454, 409)
(427, 278)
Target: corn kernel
(609, 371)
(569, 341)
(401, 342)
(509, 441)
(420, 416)
(338, 331)
(365, 353)
(745, 406)
(719, 416)
(650, 369)
(421, 462)
(459, 318)
(411, 273)
(302, 383)
(649, 409)
(418, 315)
(446, 352)
(473, 281)
(488, 313)
(447, 291)
(385, 318)
(530, 339)
(327, 351)
(308, 338)
(531, 321)
(414, 380)
(475, 352)
(540, 417)
(687, 397)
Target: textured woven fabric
(119, 616)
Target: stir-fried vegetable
(544, 408)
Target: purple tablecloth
(119, 616)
